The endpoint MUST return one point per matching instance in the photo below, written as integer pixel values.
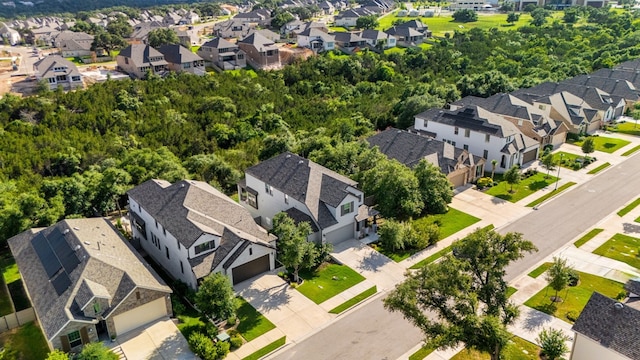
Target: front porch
(367, 224)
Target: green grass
(267, 349)
(337, 29)
(525, 188)
(354, 300)
(510, 291)
(319, 286)
(252, 323)
(632, 151)
(588, 236)
(567, 159)
(195, 48)
(422, 353)
(517, 349)
(11, 276)
(622, 248)
(396, 49)
(629, 128)
(539, 270)
(551, 194)
(629, 207)
(190, 322)
(574, 298)
(432, 258)
(27, 341)
(599, 168)
(606, 144)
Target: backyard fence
(17, 319)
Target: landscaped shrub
(204, 348)
(211, 329)
(572, 315)
(232, 320)
(576, 166)
(233, 332)
(484, 182)
(426, 234)
(574, 278)
(236, 341)
(622, 295)
(177, 305)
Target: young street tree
(512, 176)
(294, 251)
(553, 343)
(463, 299)
(548, 163)
(588, 146)
(558, 276)
(215, 297)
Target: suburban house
(349, 41)
(475, 5)
(262, 53)
(291, 26)
(378, 39)
(137, 59)
(262, 17)
(417, 25)
(326, 7)
(188, 37)
(480, 132)
(87, 283)
(460, 166)
(11, 36)
(608, 329)
(233, 29)
(619, 88)
(273, 36)
(189, 18)
(616, 73)
(349, 17)
(171, 19)
(329, 202)
(181, 59)
(406, 36)
(141, 31)
(58, 71)
(42, 36)
(379, 6)
(316, 40)
(223, 54)
(72, 44)
(191, 229)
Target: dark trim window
(268, 189)
(204, 247)
(456, 130)
(252, 200)
(166, 250)
(485, 154)
(466, 147)
(181, 267)
(487, 138)
(467, 132)
(74, 339)
(346, 208)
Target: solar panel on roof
(61, 282)
(62, 249)
(45, 253)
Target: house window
(126, 61)
(425, 122)
(455, 130)
(346, 208)
(485, 154)
(75, 78)
(268, 189)
(286, 198)
(181, 267)
(178, 242)
(487, 138)
(155, 240)
(74, 339)
(52, 80)
(240, 56)
(166, 251)
(250, 251)
(156, 224)
(137, 295)
(164, 231)
(204, 247)
(186, 65)
(96, 307)
(466, 147)
(252, 200)
(467, 132)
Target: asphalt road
(371, 332)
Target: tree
(204, 348)
(436, 190)
(512, 176)
(553, 343)
(215, 297)
(367, 22)
(57, 355)
(463, 299)
(281, 18)
(549, 163)
(107, 42)
(508, 6)
(513, 17)
(539, 17)
(571, 15)
(494, 163)
(588, 146)
(162, 36)
(465, 15)
(96, 351)
(295, 251)
(120, 27)
(558, 276)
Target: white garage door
(139, 316)
(340, 234)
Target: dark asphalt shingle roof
(141, 54)
(616, 87)
(220, 43)
(178, 54)
(632, 76)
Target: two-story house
(137, 59)
(406, 36)
(261, 52)
(378, 39)
(191, 229)
(58, 71)
(262, 17)
(223, 54)
(316, 40)
(233, 28)
(350, 17)
(306, 191)
(72, 44)
(181, 59)
(480, 132)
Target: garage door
(457, 180)
(339, 235)
(140, 316)
(250, 269)
(529, 156)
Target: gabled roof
(613, 325)
(258, 41)
(374, 35)
(141, 53)
(141, 30)
(46, 66)
(315, 32)
(178, 54)
(105, 265)
(219, 43)
(414, 24)
(594, 97)
(629, 65)
(355, 13)
(633, 76)
(255, 14)
(403, 31)
(347, 37)
(71, 35)
(303, 180)
(617, 87)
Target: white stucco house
(480, 132)
(191, 229)
(331, 203)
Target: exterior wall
(467, 4)
(132, 302)
(75, 53)
(346, 21)
(129, 68)
(177, 252)
(247, 255)
(259, 59)
(56, 343)
(587, 349)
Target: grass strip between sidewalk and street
(632, 151)
(588, 236)
(267, 349)
(599, 168)
(539, 270)
(629, 207)
(422, 353)
(510, 291)
(354, 300)
(549, 195)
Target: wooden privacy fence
(17, 319)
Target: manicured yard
(354, 300)
(574, 298)
(517, 349)
(588, 236)
(629, 128)
(539, 270)
(599, 168)
(337, 29)
(629, 207)
(252, 323)
(525, 188)
(321, 286)
(622, 248)
(27, 342)
(267, 349)
(189, 321)
(422, 353)
(631, 151)
(568, 159)
(551, 194)
(606, 144)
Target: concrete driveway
(160, 340)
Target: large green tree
(435, 188)
(463, 299)
(215, 297)
(162, 36)
(367, 22)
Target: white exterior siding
(348, 22)
(252, 252)
(587, 349)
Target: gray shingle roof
(47, 65)
(305, 181)
(107, 261)
(594, 97)
(141, 53)
(260, 42)
(611, 324)
(633, 286)
(632, 76)
(178, 54)
(220, 43)
(617, 87)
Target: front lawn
(517, 349)
(574, 298)
(422, 353)
(622, 248)
(629, 128)
(525, 188)
(566, 160)
(27, 342)
(252, 323)
(354, 300)
(588, 236)
(328, 281)
(606, 144)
